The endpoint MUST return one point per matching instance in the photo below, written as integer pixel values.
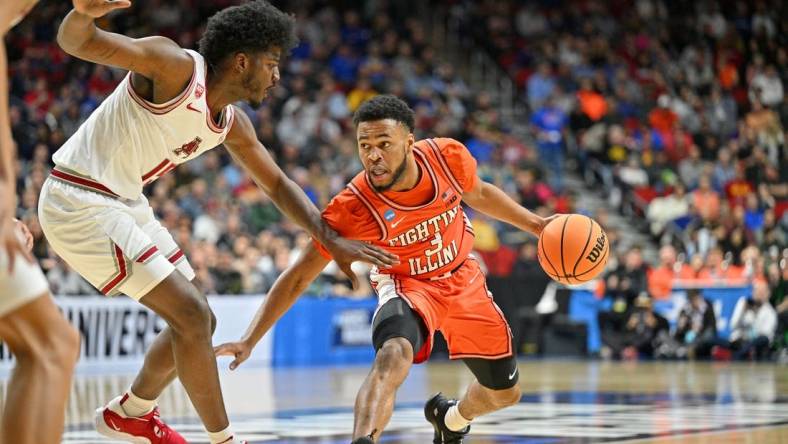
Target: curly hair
(385, 107)
(253, 26)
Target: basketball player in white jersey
(173, 105)
(44, 344)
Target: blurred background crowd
(673, 112)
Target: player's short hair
(385, 107)
(254, 26)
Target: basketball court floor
(563, 402)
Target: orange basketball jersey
(431, 238)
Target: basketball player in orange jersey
(407, 199)
(44, 344)
(173, 105)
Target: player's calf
(46, 347)
(506, 397)
(375, 399)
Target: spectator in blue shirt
(549, 124)
(540, 85)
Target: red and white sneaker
(112, 422)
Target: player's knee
(69, 347)
(55, 351)
(396, 354)
(194, 317)
(507, 397)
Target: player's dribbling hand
(99, 8)
(345, 252)
(543, 223)
(240, 350)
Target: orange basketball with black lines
(573, 249)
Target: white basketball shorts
(116, 244)
(23, 285)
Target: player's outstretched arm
(293, 281)
(247, 151)
(492, 201)
(157, 58)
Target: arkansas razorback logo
(187, 149)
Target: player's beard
(398, 172)
(254, 89)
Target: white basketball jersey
(128, 142)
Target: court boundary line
(651, 439)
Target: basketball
(573, 249)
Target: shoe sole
(109, 432)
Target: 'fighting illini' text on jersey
(425, 226)
(129, 142)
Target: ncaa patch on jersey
(389, 215)
(449, 197)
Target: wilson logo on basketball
(598, 249)
(187, 149)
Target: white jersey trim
(162, 108)
(227, 118)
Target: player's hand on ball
(543, 223)
(99, 8)
(240, 350)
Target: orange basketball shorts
(459, 306)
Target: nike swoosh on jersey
(189, 106)
(394, 224)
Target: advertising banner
(116, 332)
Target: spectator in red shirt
(737, 189)
(662, 118)
(40, 98)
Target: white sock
(454, 420)
(135, 406)
(223, 437)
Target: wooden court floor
(563, 402)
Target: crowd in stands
(233, 235)
(675, 110)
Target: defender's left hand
(345, 252)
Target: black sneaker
(363, 440)
(435, 411)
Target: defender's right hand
(241, 350)
(99, 8)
